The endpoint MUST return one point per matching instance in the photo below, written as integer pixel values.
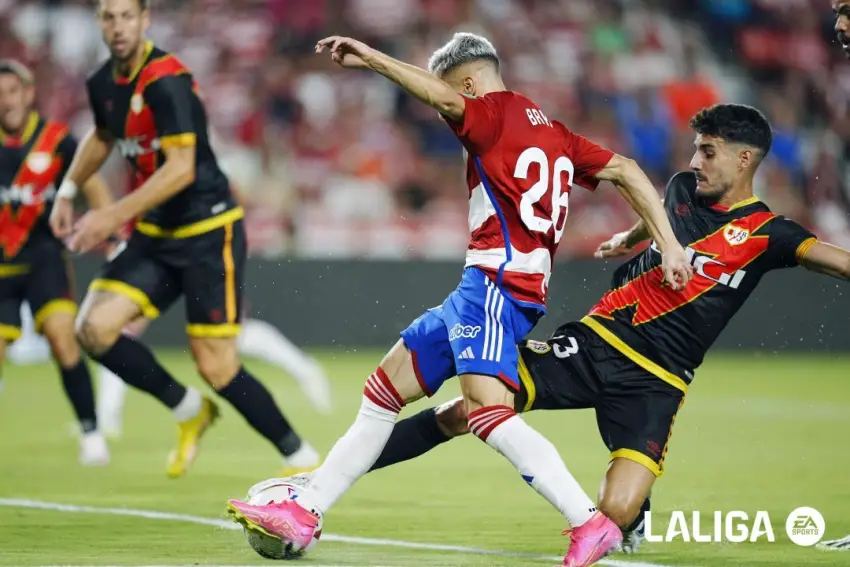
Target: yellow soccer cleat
(288, 471)
(189, 434)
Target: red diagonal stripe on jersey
(652, 298)
(17, 223)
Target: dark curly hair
(734, 123)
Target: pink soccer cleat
(286, 521)
(592, 541)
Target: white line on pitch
(169, 516)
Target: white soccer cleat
(94, 452)
(842, 544)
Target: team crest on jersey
(137, 103)
(538, 347)
(38, 162)
(735, 235)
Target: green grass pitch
(757, 432)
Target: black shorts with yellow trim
(578, 369)
(43, 279)
(204, 263)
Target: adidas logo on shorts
(466, 354)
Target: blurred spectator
(343, 164)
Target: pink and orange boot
(592, 541)
(286, 521)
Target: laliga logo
(805, 527)
(463, 331)
(734, 528)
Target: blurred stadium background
(339, 163)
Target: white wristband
(68, 190)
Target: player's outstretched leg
(624, 497)
(218, 363)
(56, 321)
(418, 434)
(112, 390)
(386, 392)
(264, 341)
(102, 318)
(493, 420)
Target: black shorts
(207, 269)
(44, 282)
(577, 369)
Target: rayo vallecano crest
(38, 162)
(137, 103)
(735, 235)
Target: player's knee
(484, 391)
(96, 332)
(216, 361)
(620, 507)
(452, 418)
(64, 347)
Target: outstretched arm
(431, 90)
(826, 259)
(637, 189)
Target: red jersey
(520, 169)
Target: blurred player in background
(520, 168)
(634, 356)
(34, 158)
(257, 339)
(189, 240)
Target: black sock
(136, 365)
(78, 388)
(259, 409)
(640, 517)
(410, 438)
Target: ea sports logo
(805, 526)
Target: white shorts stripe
(501, 328)
(486, 319)
(493, 311)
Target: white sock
(189, 406)
(111, 394)
(262, 340)
(305, 457)
(357, 450)
(536, 459)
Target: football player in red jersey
(633, 357)
(189, 240)
(521, 167)
(35, 154)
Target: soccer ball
(278, 490)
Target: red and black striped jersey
(730, 250)
(32, 166)
(158, 106)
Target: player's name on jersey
(804, 526)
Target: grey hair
(462, 49)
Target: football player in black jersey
(189, 239)
(634, 355)
(34, 155)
